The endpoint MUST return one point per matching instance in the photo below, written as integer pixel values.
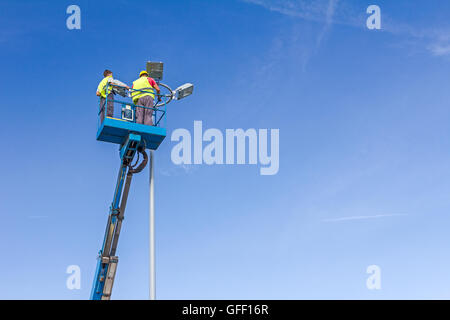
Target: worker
(144, 98)
(103, 86)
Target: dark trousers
(144, 115)
(109, 107)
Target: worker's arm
(119, 84)
(157, 88)
(98, 94)
(155, 85)
(123, 85)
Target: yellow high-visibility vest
(102, 87)
(142, 84)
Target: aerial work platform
(117, 130)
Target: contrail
(433, 38)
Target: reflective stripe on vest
(142, 84)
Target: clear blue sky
(364, 149)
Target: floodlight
(155, 70)
(184, 91)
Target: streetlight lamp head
(184, 91)
(155, 70)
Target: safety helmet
(143, 72)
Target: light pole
(152, 228)
(155, 70)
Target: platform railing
(159, 105)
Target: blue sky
(364, 173)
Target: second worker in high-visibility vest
(144, 98)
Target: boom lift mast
(107, 259)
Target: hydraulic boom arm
(107, 259)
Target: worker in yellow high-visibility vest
(101, 92)
(144, 98)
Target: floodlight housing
(155, 70)
(184, 91)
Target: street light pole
(155, 71)
(152, 274)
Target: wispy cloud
(329, 14)
(362, 217)
(440, 48)
(302, 41)
(310, 10)
(323, 11)
(434, 39)
(177, 170)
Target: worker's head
(107, 73)
(143, 74)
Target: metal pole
(152, 231)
